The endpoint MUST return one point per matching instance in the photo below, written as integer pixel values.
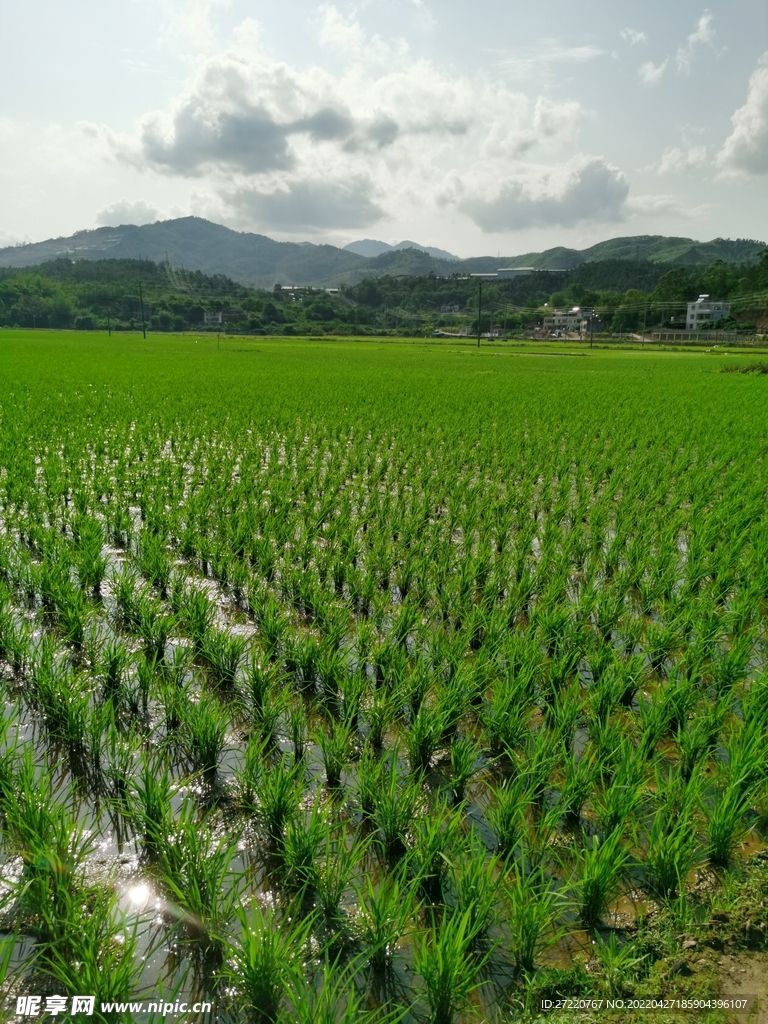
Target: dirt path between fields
(746, 975)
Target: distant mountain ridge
(371, 247)
(259, 261)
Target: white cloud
(550, 52)
(8, 238)
(347, 38)
(307, 206)
(309, 149)
(633, 36)
(126, 212)
(584, 189)
(189, 24)
(745, 151)
(703, 35)
(675, 160)
(652, 74)
(645, 206)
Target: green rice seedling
(53, 848)
(435, 839)
(505, 718)
(119, 526)
(698, 737)
(451, 704)
(91, 564)
(149, 805)
(380, 714)
(600, 868)
(302, 662)
(368, 781)
(353, 689)
(269, 721)
(7, 620)
(204, 728)
(747, 757)
(383, 916)
(577, 783)
(728, 822)
(395, 809)
(679, 698)
(112, 666)
(194, 868)
(264, 962)
(610, 747)
(299, 731)
(74, 615)
(279, 793)
(99, 951)
(671, 852)
(654, 722)
(197, 615)
(475, 879)
(99, 721)
(224, 653)
(465, 758)
(537, 761)
(328, 667)
(616, 804)
(63, 702)
(508, 814)
(273, 626)
(443, 958)
(154, 561)
(174, 701)
(248, 777)
(562, 715)
(119, 759)
(533, 909)
(413, 688)
(303, 838)
(153, 625)
(257, 687)
(733, 666)
(337, 748)
(333, 878)
(620, 966)
(332, 999)
(423, 737)
(19, 647)
(124, 586)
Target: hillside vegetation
(259, 261)
(91, 294)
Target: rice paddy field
(349, 682)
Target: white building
(212, 319)
(514, 272)
(703, 311)
(564, 321)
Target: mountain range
(371, 247)
(259, 261)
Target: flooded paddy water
(412, 721)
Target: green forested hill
(94, 294)
(256, 260)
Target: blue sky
(503, 128)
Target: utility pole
(141, 302)
(592, 327)
(109, 320)
(479, 307)
(645, 313)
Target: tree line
(96, 295)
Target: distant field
(360, 680)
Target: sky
(500, 128)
